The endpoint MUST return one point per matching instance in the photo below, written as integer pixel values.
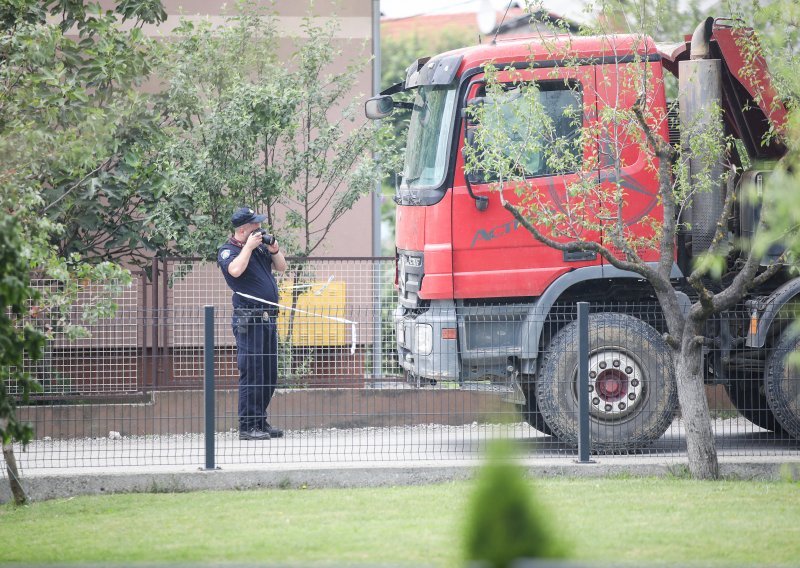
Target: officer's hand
(274, 247)
(253, 241)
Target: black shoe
(273, 432)
(254, 434)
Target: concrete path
(361, 457)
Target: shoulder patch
(225, 254)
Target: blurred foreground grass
(635, 521)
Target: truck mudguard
(771, 306)
(531, 333)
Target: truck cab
(482, 303)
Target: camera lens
(266, 238)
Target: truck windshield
(428, 138)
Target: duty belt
(265, 315)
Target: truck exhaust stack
(700, 80)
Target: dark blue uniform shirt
(257, 279)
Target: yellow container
(311, 329)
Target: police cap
(245, 215)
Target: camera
(266, 238)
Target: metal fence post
(377, 331)
(584, 441)
(208, 384)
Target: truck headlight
(424, 339)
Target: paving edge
(44, 487)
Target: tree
(226, 105)
(327, 164)
(71, 127)
(248, 128)
(518, 134)
(17, 338)
(663, 20)
(78, 132)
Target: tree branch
(771, 271)
(578, 245)
(746, 278)
(665, 154)
(722, 222)
(77, 184)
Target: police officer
(247, 263)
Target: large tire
(532, 414)
(633, 394)
(782, 384)
(748, 396)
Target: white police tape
(319, 289)
(340, 320)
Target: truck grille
(410, 271)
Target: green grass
(633, 521)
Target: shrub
(504, 522)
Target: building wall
(350, 236)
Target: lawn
(633, 521)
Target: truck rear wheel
(747, 395)
(782, 383)
(633, 394)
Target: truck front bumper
(422, 351)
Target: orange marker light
(448, 333)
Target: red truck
(483, 304)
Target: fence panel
(430, 384)
(103, 358)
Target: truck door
(627, 166)
(493, 256)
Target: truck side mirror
(379, 107)
(473, 177)
(469, 137)
(471, 110)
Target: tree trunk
(700, 444)
(14, 481)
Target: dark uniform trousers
(257, 345)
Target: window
(531, 130)
(429, 137)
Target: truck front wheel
(783, 383)
(632, 389)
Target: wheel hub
(615, 384)
(611, 385)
